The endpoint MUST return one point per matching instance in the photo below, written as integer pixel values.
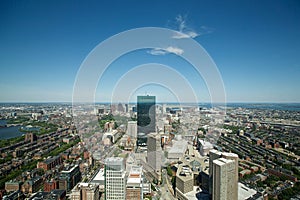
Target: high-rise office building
(235, 157)
(184, 181)
(132, 129)
(146, 114)
(154, 153)
(213, 155)
(120, 107)
(223, 175)
(115, 180)
(225, 186)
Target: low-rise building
(177, 150)
(32, 185)
(69, 178)
(53, 195)
(50, 163)
(16, 195)
(244, 172)
(99, 179)
(134, 186)
(85, 191)
(146, 186)
(50, 185)
(12, 186)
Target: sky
(255, 46)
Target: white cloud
(185, 31)
(164, 51)
(157, 51)
(180, 35)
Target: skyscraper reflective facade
(146, 114)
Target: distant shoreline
(159, 102)
(255, 105)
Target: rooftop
(184, 173)
(222, 161)
(113, 160)
(69, 169)
(100, 175)
(206, 144)
(244, 191)
(136, 170)
(178, 147)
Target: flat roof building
(99, 179)
(69, 177)
(177, 150)
(115, 180)
(134, 188)
(85, 191)
(184, 181)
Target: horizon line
(107, 102)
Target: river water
(9, 132)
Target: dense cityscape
(149, 150)
(149, 100)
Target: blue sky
(255, 45)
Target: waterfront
(9, 132)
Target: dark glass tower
(146, 114)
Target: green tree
(169, 171)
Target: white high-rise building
(132, 129)
(154, 153)
(115, 180)
(213, 155)
(225, 186)
(223, 175)
(235, 157)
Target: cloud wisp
(164, 51)
(184, 31)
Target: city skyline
(255, 47)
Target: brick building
(50, 163)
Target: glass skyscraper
(145, 118)
(146, 114)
